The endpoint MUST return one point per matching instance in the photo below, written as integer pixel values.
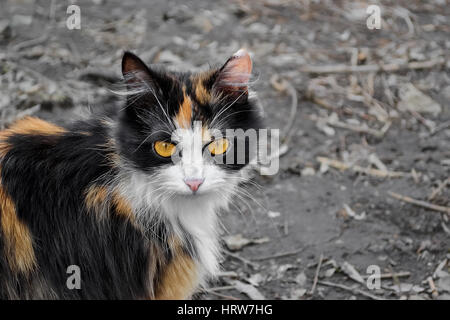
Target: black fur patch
(47, 175)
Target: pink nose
(194, 184)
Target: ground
(316, 226)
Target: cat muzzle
(194, 184)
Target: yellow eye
(218, 146)
(164, 149)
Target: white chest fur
(199, 220)
(196, 216)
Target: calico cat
(131, 196)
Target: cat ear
(134, 70)
(235, 74)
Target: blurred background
(364, 118)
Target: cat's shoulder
(38, 139)
(31, 126)
(25, 128)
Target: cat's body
(102, 195)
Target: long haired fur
(96, 195)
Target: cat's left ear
(233, 78)
(134, 70)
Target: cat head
(188, 135)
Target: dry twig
(419, 203)
(391, 275)
(439, 189)
(247, 262)
(221, 288)
(361, 129)
(316, 276)
(352, 290)
(369, 171)
(434, 291)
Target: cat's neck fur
(193, 220)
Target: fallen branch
(18, 47)
(227, 274)
(369, 171)
(352, 290)
(323, 103)
(345, 110)
(434, 291)
(245, 261)
(439, 128)
(316, 276)
(427, 123)
(339, 68)
(332, 121)
(360, 129)
(419, 203)
(248, 290)
(215, 289)
(391, 275)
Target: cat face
(183, 136)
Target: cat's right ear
(134, 70)
(233, 78)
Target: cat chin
(196, 214)
(186, 203)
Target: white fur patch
(164, 195)
(195, 214)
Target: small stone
(301, 279)
(308, 171)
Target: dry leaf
(273, 214)
(237, 242)
(350, 270)
(353, 214)
(248, 290)
(411, 99)
(256, 279)
(301, 279)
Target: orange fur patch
(27, 125)
(19, 250)
(96, 197)
(184, 116)
(180, 276)
(201, 93)
(123, 207)
(30, 125)
(4, 146)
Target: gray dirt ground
(298, 210)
